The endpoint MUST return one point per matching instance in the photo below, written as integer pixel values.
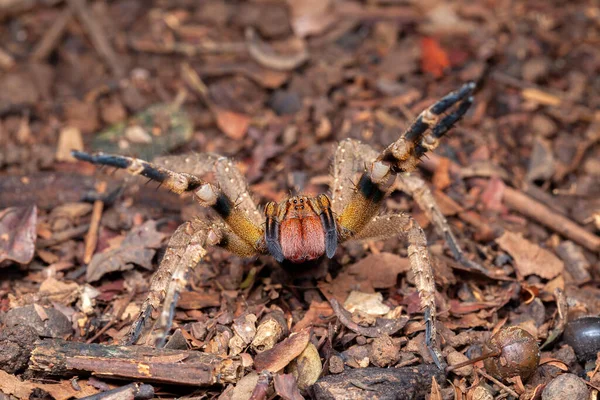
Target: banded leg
(424, 133)
(414, 186)
(386, 226)
(205, 193)
(228, 176)
(186, 249)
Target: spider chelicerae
(300, 229)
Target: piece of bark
(405, 383)
(147, 364)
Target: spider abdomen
(302, 239)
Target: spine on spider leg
(420, 262)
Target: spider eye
(301, 201)
(295, 201)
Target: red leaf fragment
(434, 58)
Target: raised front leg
(244, 224)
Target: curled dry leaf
(307, 367)
(18, 234)
(530, 259)
(263, 54)
(283, 353)
(137, 248)
(383, 326)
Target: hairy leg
(186, 249)
(351, 157)
(414, 186)
(386, 226)
(228, 176)
(208, 195)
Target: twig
(497, 382)
(57, 357)
(115, 317)
(52, 36)
(132, 391)
(63, 236)
(91, 239)
(97, 36)
(531, 208)
(524, 204)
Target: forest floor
(274, 86)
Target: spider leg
(386, 226)
(205, 193)
(351, 157)
(418, 190)
(185, 250)
(424, 132)
(229, 178)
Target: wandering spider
(301, 228)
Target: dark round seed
(583, 335)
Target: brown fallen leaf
(436, 391)
(282, 353)
(137, 248)
(380, 269)
(18, 234)
(286, 387)
(530, 259)
(234, 125)
(316, 314)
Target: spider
(301, 228)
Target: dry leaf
(283, 353)
(530, 259)
(433, 57)
(286, 387)
(368, 303)
(234, 125)
(137, 248)
(18, 234)
(380, 269)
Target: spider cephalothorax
(301, 229)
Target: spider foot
(424, 133)
(431, 341)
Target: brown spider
(301, 228)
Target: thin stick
(52, 36)
(97, 36)
(497, 382)
(91, 239)
(529, 207)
